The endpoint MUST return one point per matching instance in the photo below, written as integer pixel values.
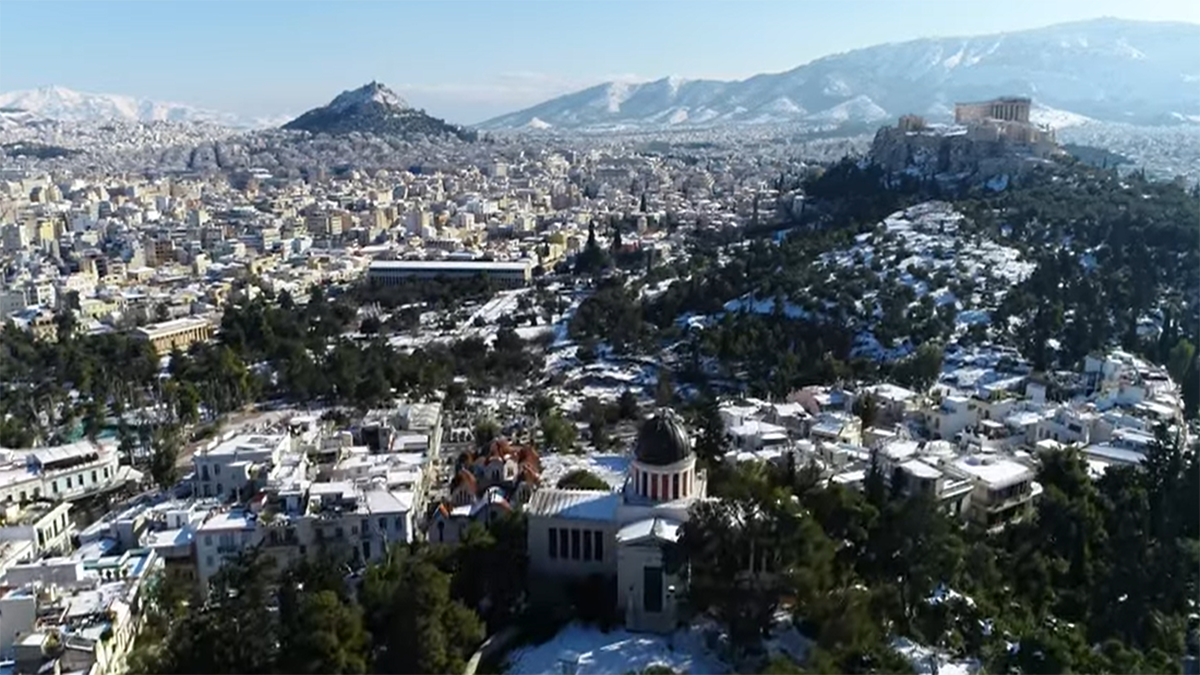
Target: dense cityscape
(375, 392)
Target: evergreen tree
(322, 634)
(415, 625)
(712, 443)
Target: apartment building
(229, 466)
(1004, 490)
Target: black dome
(662, 440)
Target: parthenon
(1006, 109)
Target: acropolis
(990, 137)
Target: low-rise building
(46, 524)
(180, 334)
(229, 466)
(65, 473)
(1004, 489)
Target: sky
(469, 61)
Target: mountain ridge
(1110, 70)
(68, 105)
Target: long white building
(61, 473)
(391, 272)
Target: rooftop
(229, 520)
(995, 472)
(174, 325)
(574, 504)
(464, 265)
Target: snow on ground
(923, 660)
(501, 305)
(765, 306)
(615, 653)
(609, 467)
(929, 234)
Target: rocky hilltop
(374, 109)
(984, 151)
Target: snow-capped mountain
(1108, 70)
(373, 109)
(66, 105)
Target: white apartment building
(228, 466)
(1066, 426)
(225, 534)
(950, 417)
(62, 473)
(367, 502)
(46, 524)
(1003, 491)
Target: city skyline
(467, 61)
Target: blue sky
(468, 61)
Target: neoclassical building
(574, 534)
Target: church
(574, 534)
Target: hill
(373, 109)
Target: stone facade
(1007, 109)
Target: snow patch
(587, 651)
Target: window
(353, 529)
(553, 539)
(22, 496)
(68, 482)
(208, 540)
(94, 477)
(574, 544)
(563, 536)
(587, 545)
(675, 486)
(216, 469)
(106, 474)
(382, 525)
(645, 490)
(598, 548)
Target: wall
(539, 548)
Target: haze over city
(467, 61)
